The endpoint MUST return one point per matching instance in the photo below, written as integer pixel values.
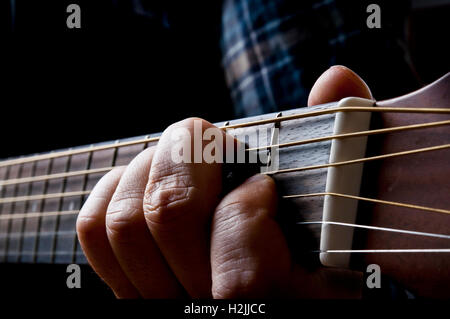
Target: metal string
(282, 145)
(232, 126)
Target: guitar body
(421, 179)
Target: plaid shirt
(274, 50)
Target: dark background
(120, 75)
(124, 75)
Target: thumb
(337, 83)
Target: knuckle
(88, 226)
(91, 218)
(124, 214)
(190, 122)
(119, 226)
(266, 184)
(168, 196)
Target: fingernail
(357, 75)
(256, 178)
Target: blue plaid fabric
(274, 50)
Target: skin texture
(158, 229)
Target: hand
(158, 229)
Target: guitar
(366, 182)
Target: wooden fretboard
(30, 233)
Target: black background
(120, 75)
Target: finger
(130, 238)
(91, 232)
(179, 201)
(250, 257)
(337, 83)
(249, 254)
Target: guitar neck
(40, 196)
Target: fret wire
(378, 201)
(394, 230)
(233, 126)
(60, 203)
(146, 143)
(13, 205)
(360, 160)
(83, 188)
(22, 224)
(282, 145)
(41, 206)
(3, 192)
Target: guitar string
(227, 127)
(387, 229)
(80, 193)
(44, 196)
(44, 253)
(293, 196)
(43, 234)
(336, 251)
(359, 160)
(373, 200)
(279, 146)
(288, 170)
(350, 225)
(75, 212)
(355, 134)
(41, 178)
(38, 214)
(382, 251)
(376, 228)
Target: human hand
(159, 229)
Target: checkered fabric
(273, 50)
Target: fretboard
(40, 195)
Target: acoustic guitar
(362, 182)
